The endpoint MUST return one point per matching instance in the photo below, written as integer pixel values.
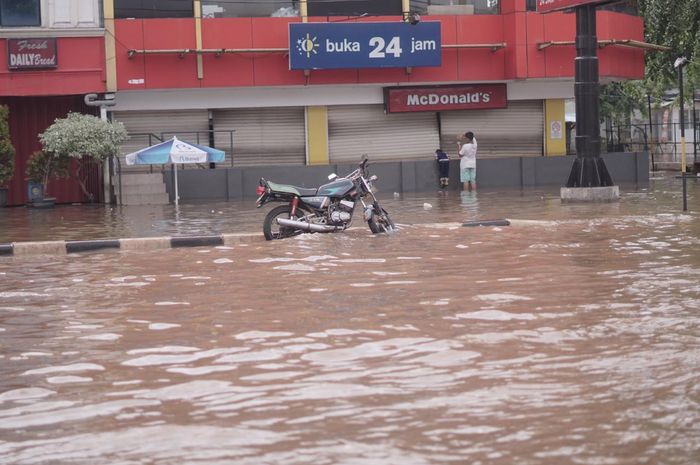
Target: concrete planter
(45, 202)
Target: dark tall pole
(651, 133)
(695, 134)
(682, 116)
(589, 169)
(651, 127)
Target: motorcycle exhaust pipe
(304, 226)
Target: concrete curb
(167, 242)
(126, 244)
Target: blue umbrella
(175, 151)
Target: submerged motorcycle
(326, 209)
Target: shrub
(85, 138)
(7, 151)
(43, 166)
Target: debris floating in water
(427, 206)
(487, 223)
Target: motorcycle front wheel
(272, 230)
(380, 222)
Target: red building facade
(51, 57)
(189, 67)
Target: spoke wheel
(381, 222)
(272, 230)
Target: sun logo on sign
(307, 45)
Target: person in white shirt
(467, 163)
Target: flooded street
(569, 338)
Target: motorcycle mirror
(332, 176)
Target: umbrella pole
(177, 195)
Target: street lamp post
(679, 65)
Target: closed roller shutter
(354, 130)
(189, 125)
(514, 131)
(262, 136)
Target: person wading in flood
(443, 162)
(467, 163)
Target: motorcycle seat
(289, 189)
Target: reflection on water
(571, 340)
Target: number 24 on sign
(381, 48)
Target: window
(456, 7)
(19, 13)
(621, 7)
(248, 8)
(355, 7)
(153, 9)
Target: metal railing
(663, 142)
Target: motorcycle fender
(262, 200)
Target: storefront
(52, 53)
(251, 127)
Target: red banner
(31, 53)
(545, 6)
(442, 98)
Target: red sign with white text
(444, 98)
(545, 6)
(31, 53)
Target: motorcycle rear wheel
(381, 222)
(273, 231)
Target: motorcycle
(326, 209)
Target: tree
(675, 25)
(619, 99)
(7, 151)
(43, 166)
(86, 139)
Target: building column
(197, 7)
(304, 11)
(110, 46)
(555, 127)
(317, 135)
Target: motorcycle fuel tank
(336, 188)
(316, 201)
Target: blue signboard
(364, 45)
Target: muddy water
(571, 340)
(80, 222)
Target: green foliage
(7, 151)
(674, 24)
(619, 99)
(85, 138)
(43, 166)
(79, 135)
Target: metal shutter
(514, 131)
(189, 125)
(262, 136)
(354, 130)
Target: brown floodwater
(572, 339)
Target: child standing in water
(443, 162)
